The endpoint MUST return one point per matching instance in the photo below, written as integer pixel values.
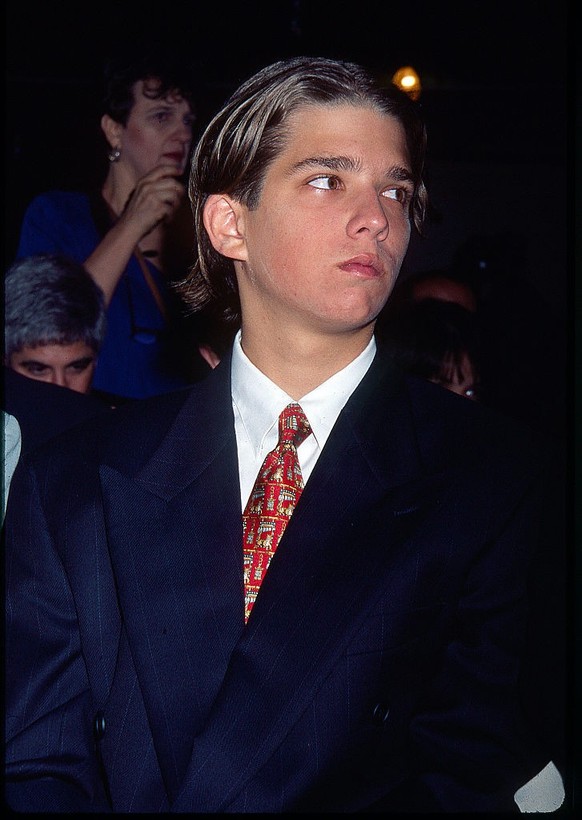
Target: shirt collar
(259, 401)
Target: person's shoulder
(61, 408)
(124, 435)
(472, 430)
(127, 434)
(59, 201)
(58, 221)
(136, 416)
(66, 212)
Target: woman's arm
(154, 200)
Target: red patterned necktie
(272, 501)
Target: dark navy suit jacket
(44, 410)
(378, 670)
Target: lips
(363, 265)
(175, 158)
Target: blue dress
(140, 356)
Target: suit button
(380, 714)
(99, 726)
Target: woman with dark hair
(120, 233)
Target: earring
(114, 154)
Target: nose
(184, 132)
(368, 217)
(58, 377)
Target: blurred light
(408, 80)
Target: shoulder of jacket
(56, 200)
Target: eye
(326, 182)
(161, 116)
(36, 368)
(402, 195)
(81, 365)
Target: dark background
(495, 97)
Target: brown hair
(247, 134)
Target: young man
(376, 667)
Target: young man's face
(68, 365)
(324, 247)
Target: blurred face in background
(448, 290)
(460, 379)
(158, 132)
(67, 365)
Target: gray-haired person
(54, 321)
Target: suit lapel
(175, 541)
(328, 572)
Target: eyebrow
(82, 360)
(160, 103)
(345, 163)
(35, 362)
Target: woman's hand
(154, 199)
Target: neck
(117, 188)
(299, 365)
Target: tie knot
(293, 425)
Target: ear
(224, 222)
(112, 130)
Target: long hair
(246, 135)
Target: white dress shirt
(257, 403)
